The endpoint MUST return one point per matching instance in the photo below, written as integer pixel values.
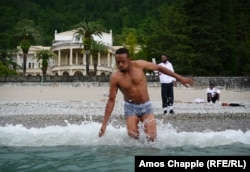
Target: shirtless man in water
(132, 82)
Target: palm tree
(85, 31)
(26, 33)
(45, 56)
(97, 47)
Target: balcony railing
(74, 43)
(80, 67)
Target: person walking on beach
(213, 94)
(167, 84)
(132, 82)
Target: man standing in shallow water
(132, 82)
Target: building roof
(105, 38)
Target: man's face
(211, 86)
(122, 62)
(164, 58)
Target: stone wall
(227, 83)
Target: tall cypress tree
(203, 21)
(168, 36)
(228, 34)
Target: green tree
(45, 56)
(26, 34)
(228, 34)
(7, 63)
(85, 31)
(7, 18)
(97, 47)
(130, 41)
(242, 32)
(6, 71)
(204, 29)
(6, 57)
(168, 34)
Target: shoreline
(180, 122)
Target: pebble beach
(46, 105)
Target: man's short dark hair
(122, 51)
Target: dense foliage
(200, 37)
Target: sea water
(78, 148)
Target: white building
(71, 59)
(33, 67)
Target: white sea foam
(87, 134)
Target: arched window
(65, 73)
(78, 73)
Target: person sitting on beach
(213, 94)
(132, 82)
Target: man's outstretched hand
(186, 81)
(102, 131)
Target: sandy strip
(93, 93)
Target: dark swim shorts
(139, 110)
